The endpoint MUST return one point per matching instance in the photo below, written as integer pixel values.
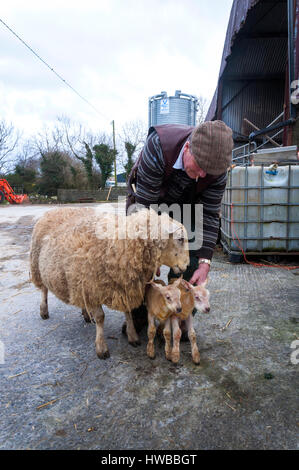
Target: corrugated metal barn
(259, 62)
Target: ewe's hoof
(102, 350)
(103, 355)
(44, 314)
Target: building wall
(259, 101)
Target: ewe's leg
(44, 313)
(133, 337)
(101, 346)
(192, 338)
(167, 337)
(151, 333)
(176, 332)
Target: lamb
(171, 305)
(162, 302)
(191, 297)
(89, 259)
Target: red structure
(6, 192)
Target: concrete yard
(56, 394)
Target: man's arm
(211, 199)
(150, 172)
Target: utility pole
(114, 147)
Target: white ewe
(76, 255)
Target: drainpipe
(291, 48)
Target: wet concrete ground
(56, 394)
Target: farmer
(184, 165)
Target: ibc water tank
(178, 109)
(260, 207)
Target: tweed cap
(211, 146)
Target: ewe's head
(176, 252)
(169, 235)
(171, 295)
(200, 294)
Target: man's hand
(200, 275)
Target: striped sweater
(179, 188)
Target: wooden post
(114, 147)
(109, 193)
(258, 129)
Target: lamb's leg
(192, 339)
(177, 333)
(167, 337)
(151, 333)
(101, 346)
(44, 313)
(133, 337)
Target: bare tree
(134, 132)
(83, 145)
(71, 136)
(28, 157)
(8, 143)
(132, 139)
(47, 140)
(202, 110)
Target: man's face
(190, 165)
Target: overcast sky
(116, 53)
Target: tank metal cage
(228, 204)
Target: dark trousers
(190, 270)
(141, 312)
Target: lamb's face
(201, 299)
(172, 298)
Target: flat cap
(211, 146)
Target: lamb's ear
(178, 281)
(154, 285)
(204, 284)
(186, 284)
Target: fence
(75, 195)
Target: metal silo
(178, 109)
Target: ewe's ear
(174, 229)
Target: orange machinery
(6, 192)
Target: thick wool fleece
(68, 257)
